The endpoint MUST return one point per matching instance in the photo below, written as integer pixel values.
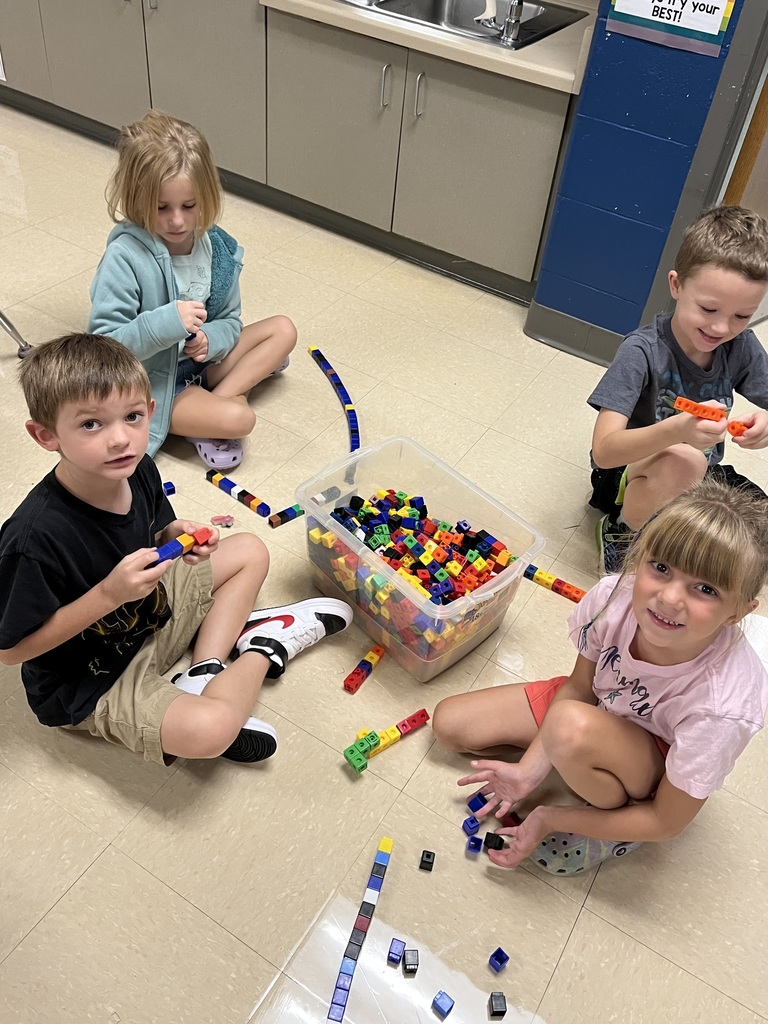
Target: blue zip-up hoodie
(133, 300)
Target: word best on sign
(694, 15)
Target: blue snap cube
(396, 950)
(474, 844)
(471, 825)
(442, 1004)
(498, 959)
(476, 802)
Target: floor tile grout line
(667, 959)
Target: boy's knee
(218, 728)
(251, 548)
(681, 462)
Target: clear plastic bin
(451, 630)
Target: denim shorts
(190, 373)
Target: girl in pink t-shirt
(665, 694)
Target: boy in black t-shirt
(644, 452)
(89, 612)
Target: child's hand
(502, 784)
(134, 577)
(525, 839)
(756, 436)
(197, 348)
(200, 552)
(700, 433)
(193, 314)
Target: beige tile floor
(211, 893)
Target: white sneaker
(256, 740)
(282, 633)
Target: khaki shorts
(131, 712)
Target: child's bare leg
(199, 413)
(205, 726)
(261, 348)
(487, 722)
(602, 757)
(654, 481)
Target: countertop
(556, 62)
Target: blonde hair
(712, 532)
(152, 151)
(729, 237)
(77, 367)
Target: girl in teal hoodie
(168, 288)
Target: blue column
(639, 119)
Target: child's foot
(567, 853)
(281, 633)
(283, 366)
(217, 452)
(613, 540)
(256, 740)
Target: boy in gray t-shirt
(644, 453)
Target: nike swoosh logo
(287, 621)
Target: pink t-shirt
(707, 709)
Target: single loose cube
(442, 1004)
(396, 950)
(497, 1006)
(168, 487)
(498, 959)
(410, 961)
(427, 860)
(474, 844)
(471, 825)
(493, 842)
(476, 802)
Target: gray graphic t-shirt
(650, 370)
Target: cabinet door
(207, 65)
(334, 106)
(477, 159)
(97, 58)
(22, 48)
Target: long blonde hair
(152, 151)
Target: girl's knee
(568, 728)
(447, 723)
(239, 419)
(285, 329)
(215, 726)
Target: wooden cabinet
(207, 65)
(97, 58)
(477, 158)
(23, 48)
(459, 159)
(334, 110)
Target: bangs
(701, 550)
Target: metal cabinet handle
(416, 111)
(384, 100)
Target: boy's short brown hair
(729, 237)
(74, 368)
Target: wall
(639, 119)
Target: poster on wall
(697, 25)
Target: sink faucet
(509, 29)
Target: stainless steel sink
(457, 17)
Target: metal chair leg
(24, 347)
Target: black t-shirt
(54, 549)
